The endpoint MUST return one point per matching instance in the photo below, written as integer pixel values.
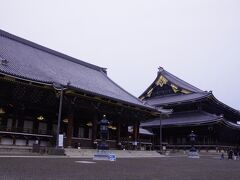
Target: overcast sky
(196, 40)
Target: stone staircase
(78, 153)
(89, 153)
(4, 149)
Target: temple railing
(217, 147)
(26, 130)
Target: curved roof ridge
(189, 119)
(225, 105)
(167, 100)
(177, 81)
(149, 87)
(174, 95)
(48, 50)
(231, 124)
(190, 112)
(173, 79)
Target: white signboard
(60, 140)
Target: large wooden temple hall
(39, 84)
(40, 88)
(215, 124)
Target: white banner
(60, 140)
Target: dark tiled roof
(231, 124)
(221, 105)
(178, 82)
(184, 119)
(172, 80)
(31, 61)
(173, 99)
(194, 94)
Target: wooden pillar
(27, 141)
(35, 126)
(14, 140)
(136, 131)
(20, 120)
(118, 132)
(49, 127)
(75, 127)
(94, 129)
(126, 134)
(134, 138)
(70, 129)
(14, 122)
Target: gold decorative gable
(185, 91)
(174, 88)
(161, 81)
(150, 92)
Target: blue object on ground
(104, 155)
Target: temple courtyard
(62, 168)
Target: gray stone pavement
(173, 168)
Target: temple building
(40, 88)
(44, 93)
(216, 124)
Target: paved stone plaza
(40, 168)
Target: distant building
(215, 123)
